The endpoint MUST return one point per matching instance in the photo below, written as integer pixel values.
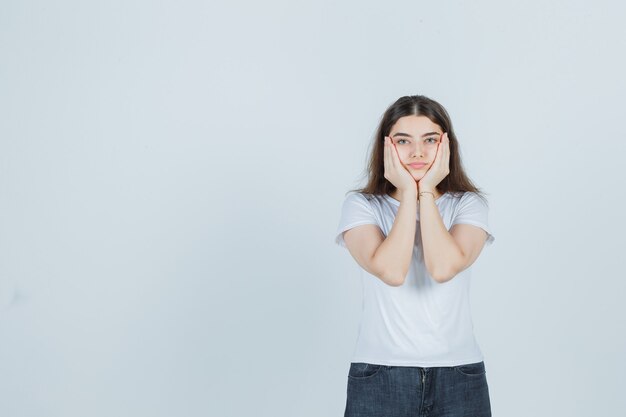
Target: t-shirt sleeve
(472, 209)
(355, 211)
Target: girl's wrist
(409, 194)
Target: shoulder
(472, 208)
(355, 197)
(372, 204)
(469, 198)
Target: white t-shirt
(422, 322)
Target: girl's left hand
(439, 169)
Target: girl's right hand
(395, 172)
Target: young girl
(415, 230)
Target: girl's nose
(417, 151)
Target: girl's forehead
(416, 123)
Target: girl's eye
(434, 140)
(402, 140)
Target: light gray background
(172, 176)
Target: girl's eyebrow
(409, 136)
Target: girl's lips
(417, 166)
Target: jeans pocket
(471, 369)
(362, 370)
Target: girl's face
(416, 138)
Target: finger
(387, 156)
(397, 163)
(391, 150)
(446, 153)
(395, 159)
(439, 153)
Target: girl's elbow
(443, 275)
(447, 272)
(394, 280)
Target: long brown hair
(455, 181)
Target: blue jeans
(403, 391)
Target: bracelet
(426, 192)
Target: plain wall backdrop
(172, 175)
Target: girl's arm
(395, 253)
(386, 258)
(447, 253)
